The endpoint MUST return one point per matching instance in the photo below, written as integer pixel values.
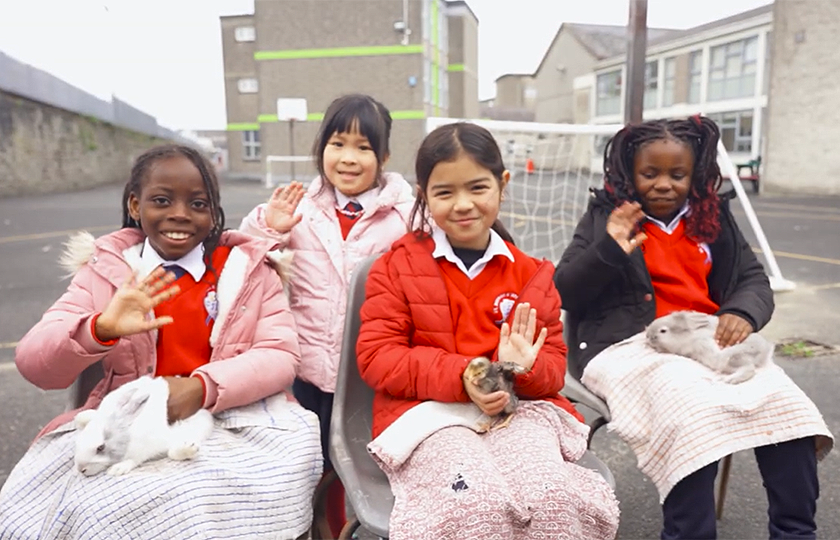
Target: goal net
(284, 169)
(552, 168)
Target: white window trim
(248, 85)
(254, 144)
(620, 92)
(755, 74)
(243, 34)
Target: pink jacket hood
(323, 263)
(255, 348)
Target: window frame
(245, 34)
(248, 85)
(608, 90)
(734, 121)
(251, 145)
(735, 56)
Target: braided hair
(701, 135)
(140, 171)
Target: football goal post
(283, 169)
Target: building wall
(804, 119)
(681, 74)
(745, 140)
(242, 109)
(470, 74)
(456, 62)
(554, 81)
(301, 25)
(510, 91)
(463, 62)
(44, 149)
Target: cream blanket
(678, 416)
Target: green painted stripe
(318, 116)
(338, 52)
(243, 126)
(455, 67)
(408, 115)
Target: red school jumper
(479, 306)
(184, 345)
(679, 269)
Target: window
(250, 145)
(245, 33)
(651, 83)
(695, 74)
(530, 93)
(669, 84)
(735, 130)
(732, 69)
(608, 98)
(248, 86)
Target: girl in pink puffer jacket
(350, 211)
(171, 295)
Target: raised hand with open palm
(129, 310)
(280, 210)
(516, 340)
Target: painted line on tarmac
(8, 366)
(819, 217)
(801, 257)
(53, 234)
(68, 232)
(8, 345)
(761, 204)
(823, 287)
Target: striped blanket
(253, 478)
(678, 416)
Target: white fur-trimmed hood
(80, 247)
(126, 244)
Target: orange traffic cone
(529, 166)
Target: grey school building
(418, 57)
(770, 78)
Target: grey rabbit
(692, 334)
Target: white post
(777, 282)
(268, 182)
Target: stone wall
(44, 149)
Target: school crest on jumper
(211, 305)
(502, 306)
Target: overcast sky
(165, 56)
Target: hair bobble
(697, 120)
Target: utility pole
(634, 93)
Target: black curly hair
(140, 171)
(698, 133)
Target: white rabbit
(692, 334)
(130, 427)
